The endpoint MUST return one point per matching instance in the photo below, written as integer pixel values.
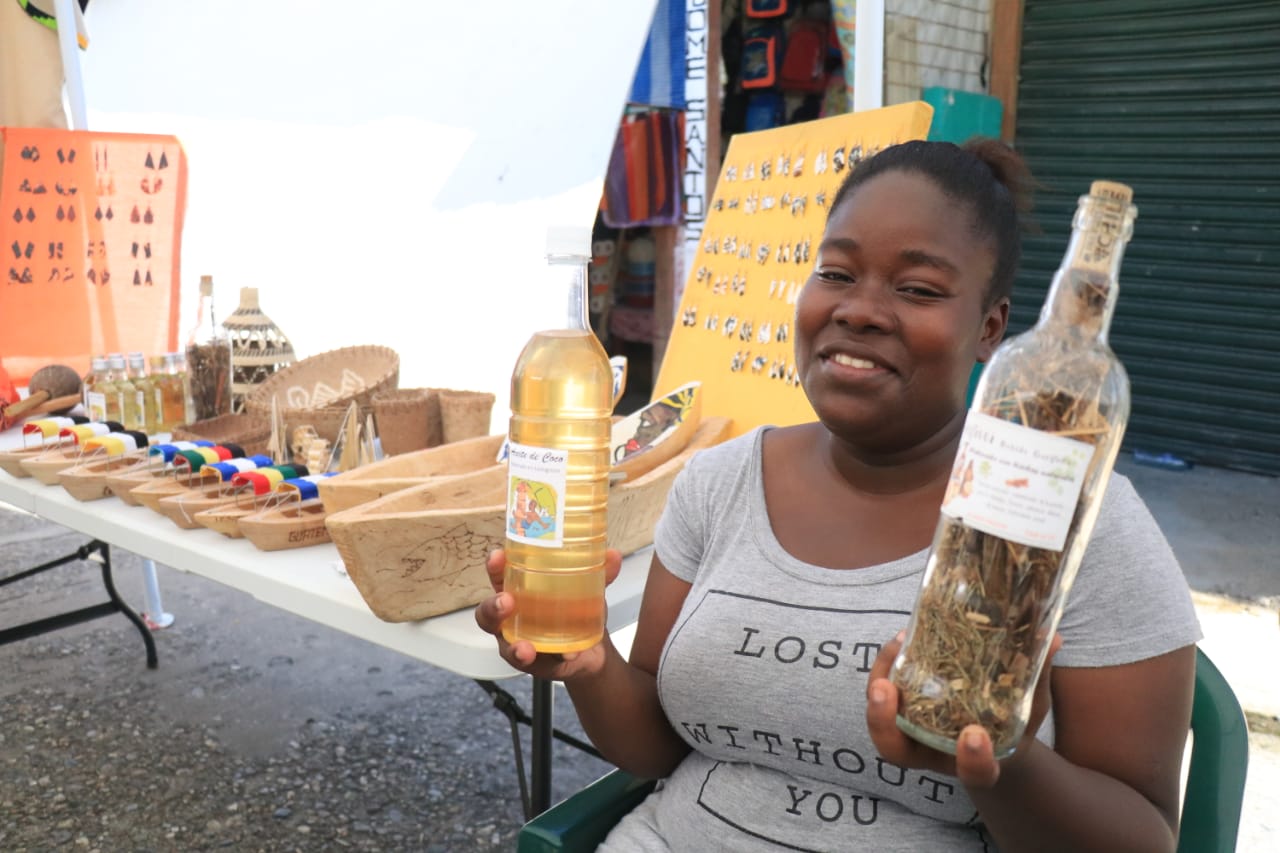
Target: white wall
(934, 43)
(382, 171)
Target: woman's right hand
(491, 613)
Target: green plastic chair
(1210, 809)
(1219, 759)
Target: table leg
(542, 726)
(540, 760)
(115, 604)
(154, 615)
(104, 550)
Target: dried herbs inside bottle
(1033, 463)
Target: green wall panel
(1181, 100)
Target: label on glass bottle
(95, 403)
(535, 494)
(1015, 482)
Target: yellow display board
(734, 329)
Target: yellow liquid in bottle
(133, 418)
(174, 394)
(561, 398)
(153, 386)
(114, 405)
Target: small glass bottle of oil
(135, 401)
(116, 376)
(558, 469)
(95, 401)
(155, 395)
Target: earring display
(100, 210)
(759, 244)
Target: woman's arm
(616, 701)
(618, 705)
(1111, 781)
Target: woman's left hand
(974, 763)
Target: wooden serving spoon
(54, 381)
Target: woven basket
(465, 414)
(330, 380)
(407, 419)
(252, 433)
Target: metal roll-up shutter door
(1181, 100)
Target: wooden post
(1006, 59)
(670, 242)
(666, 244)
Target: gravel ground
(260, 731)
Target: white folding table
(311, 583)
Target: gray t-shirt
(765, 673)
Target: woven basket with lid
(258, 347)
(316, 388)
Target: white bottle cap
(569, 240)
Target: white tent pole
(67, 14)
(65, 11)
(868, 55)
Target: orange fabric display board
(90, 244)
(733, 330)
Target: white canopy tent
(383, 172)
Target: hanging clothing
(31, 64)
(50, 20)
(659, 77)
(642, 185)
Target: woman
(787, 559)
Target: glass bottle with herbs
(208, 362)
(1033, 462)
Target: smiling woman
(787, 558)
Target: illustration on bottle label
(1015, 482)
(96, 403)
(535, 494)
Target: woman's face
(892, 318)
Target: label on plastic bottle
(1015, 482)
(535, 494)
(95, 403)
